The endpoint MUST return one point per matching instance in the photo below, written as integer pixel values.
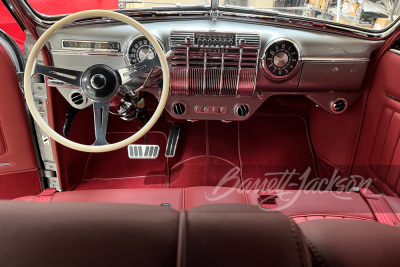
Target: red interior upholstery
(378, 155)
(240, 235)
(99, 234)
(301, 205)
(18, 166)
(349, 243)
(87, 234)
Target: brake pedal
(143, 151)
(172, 141)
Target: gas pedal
(143, 151)
(172, 141)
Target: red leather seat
(301, 205)
(240, 235)
(87, 234)
(104, 234)
(349, 243)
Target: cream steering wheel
(99, 82)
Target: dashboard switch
(211, 109)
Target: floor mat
(275, 152)
(137, 173)
(156, 181)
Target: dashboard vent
(78, 99)
(179, 109)
(242, 110)
(214, 67)
(339, 105)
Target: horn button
(100, 83)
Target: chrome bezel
(72, 103)
(127, 49)
(263, 59)
(334, 101)
(236, 111)
(179, 102)
(64, 48)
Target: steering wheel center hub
(100, 83)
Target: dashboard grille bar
(214, 64)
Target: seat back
(100, 234)
(240, 235)
(349, 243)
(87, 234)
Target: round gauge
(140, 49)
(281, 59)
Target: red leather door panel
(378, 155)
(2, 142)
(18, 165)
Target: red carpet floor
(264, 152)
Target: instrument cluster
(140, 49)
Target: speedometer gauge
(281, 59)
(140, 49)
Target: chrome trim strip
(5, 164)
(322, 59)
(87, 53)
(89, 48)
(395, 51)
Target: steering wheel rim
(29, 71)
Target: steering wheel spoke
(100, 111)
(65, 75)
(133, 71)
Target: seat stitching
(296, 241)
(315, 252)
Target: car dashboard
(222, 70)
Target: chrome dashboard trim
(5, 164)
(87, 53)
(327, 59)
(88, 49)
(210, 47)
(395, 51)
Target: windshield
(370, 14)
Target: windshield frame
(222, 12)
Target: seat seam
(296, 241)
(315, 252)
(183, 198)
(181, 246)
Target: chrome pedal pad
(143, 151)
(172, 141)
